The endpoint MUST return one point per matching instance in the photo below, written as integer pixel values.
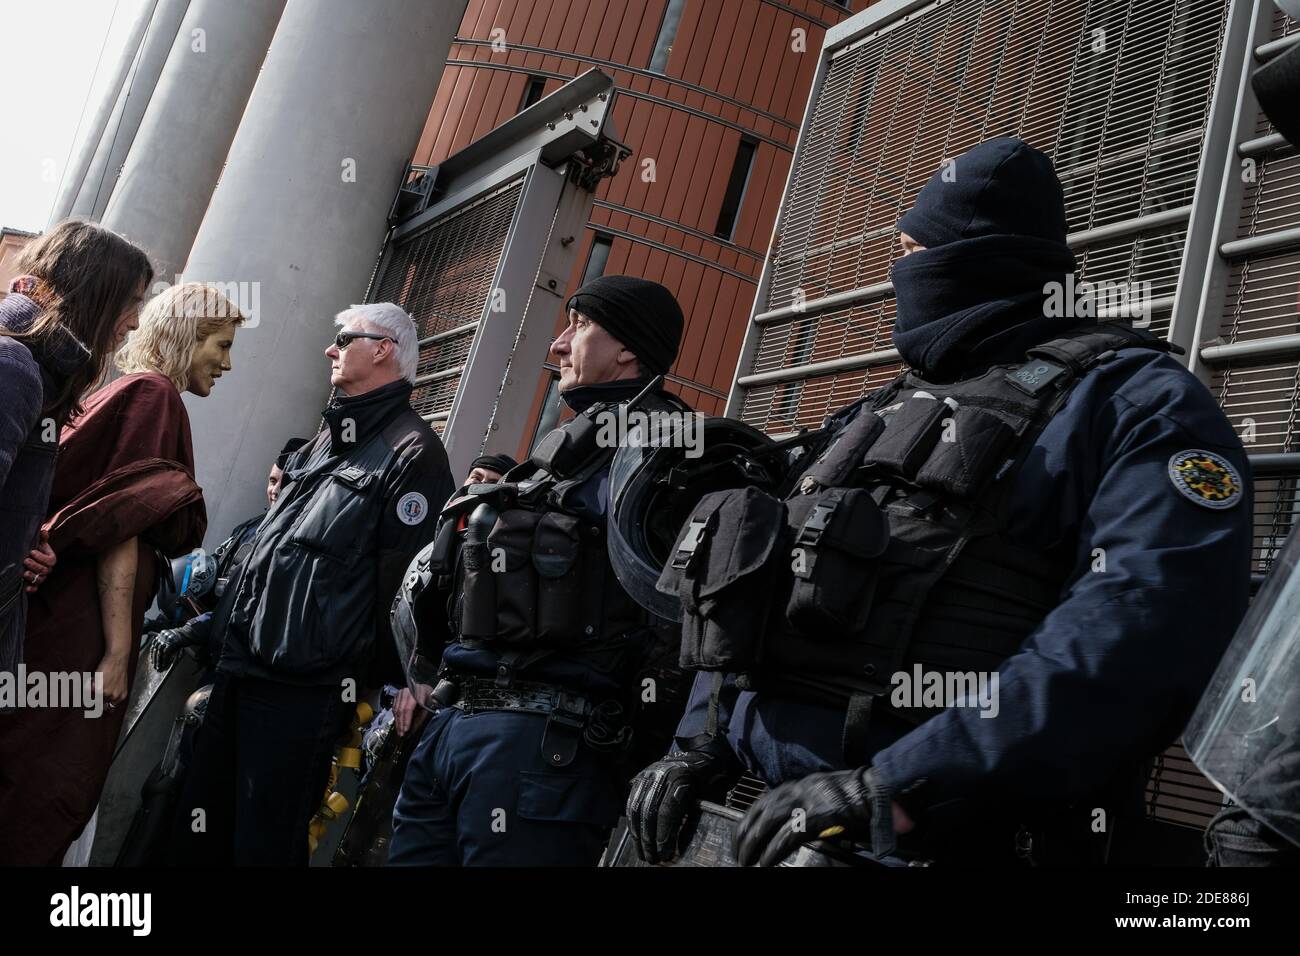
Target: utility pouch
(963, 466)
(509, 556)
(557, 559)
(478, 605)
(909, 437)
(845, 452)
(722, 569)
(838, 535)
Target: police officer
(520, 762)
(998, 590)
(229, 557)
(308, 628)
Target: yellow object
(347, 755)
(831, 832)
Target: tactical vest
(531, 571)
(891, 549)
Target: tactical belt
(477, 696)
(570, 718)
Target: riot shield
(1245, 733)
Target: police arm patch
(1205, 478)
(412, 507)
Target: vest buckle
(817, 522)
(686, 550)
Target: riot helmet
(1245, 732)
(658, 475)
(187, 579)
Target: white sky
(48, 53)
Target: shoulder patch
(1205, 478)
(412, 508)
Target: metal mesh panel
(1260, 402)
(1116, 91)
(1275, 510)
(1177, 793)
(1262, 297)
(790, 406)
(443, 276)
(1261, 300)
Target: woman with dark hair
(123, 502)
(78, 297)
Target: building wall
(12, 242)
(733, 72)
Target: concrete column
(299, 217)
(176, 157)
(84, 149)
(132, 101)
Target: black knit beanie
(641, 314)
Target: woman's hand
(39, 563)
(114, 669)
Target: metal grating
(1116, 91)
(745, 792)
(1275, 509)
(1261, 300)
(1178, 793)
(444, 276)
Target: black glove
(166, 644)
(772, 829)
(662, 796)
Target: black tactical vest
(531, 570)
(891, 549)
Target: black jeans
(1235, 838)
(261, 761)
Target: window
(667, 34)
(550, 413)
(736, 186)
(533, 92)
(597, 258)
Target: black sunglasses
(344, 339)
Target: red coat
(125, 469)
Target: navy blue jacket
(1112, 674)
(31, 373)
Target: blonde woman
(124, 499)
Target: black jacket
(357, 503)
(31, 372)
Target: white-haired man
(309, 624)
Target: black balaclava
(993, 224)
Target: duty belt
(477, 696)
(570, 718)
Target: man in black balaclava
(520, 761)
(981, 653)
(993, 233)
